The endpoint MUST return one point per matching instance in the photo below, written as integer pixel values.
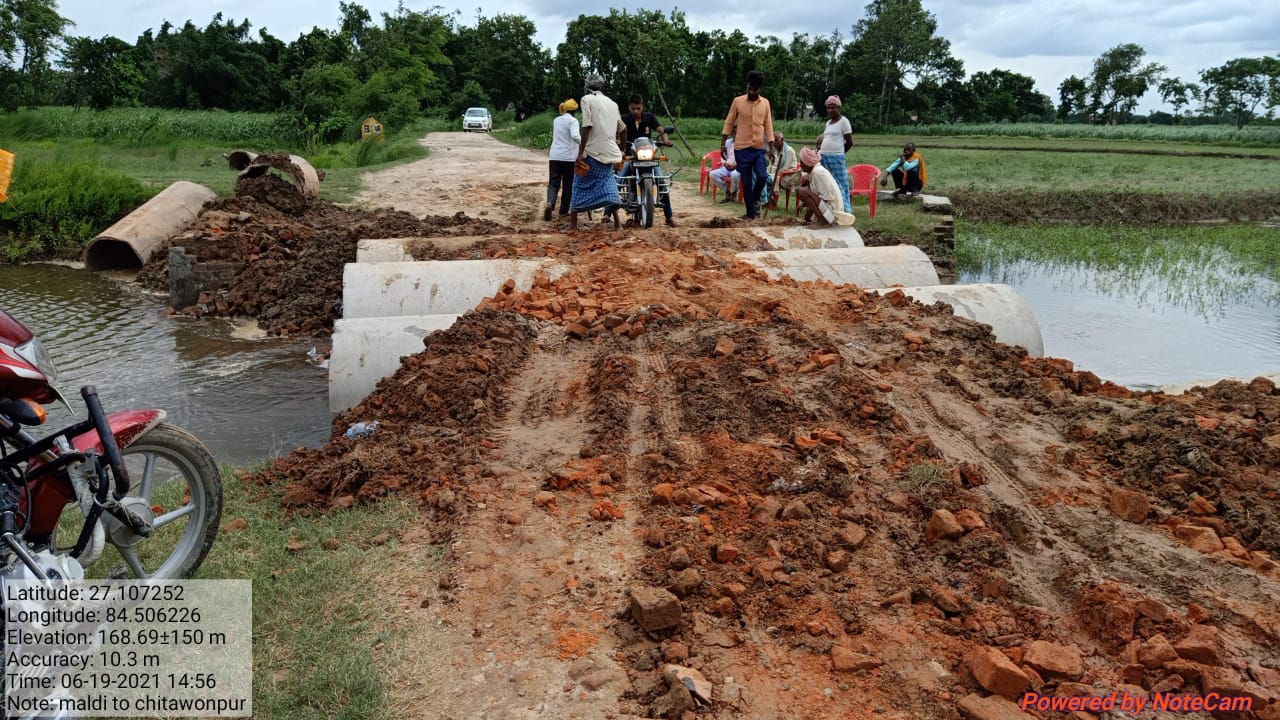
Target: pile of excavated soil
(293, 252)
(831, 504)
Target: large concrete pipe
(434, 287)
(872, 267)
(130, 242)
(999, 306)
(304, 176)
(365, 350)
(803, 238)
(397, 249)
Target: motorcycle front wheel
(177, 488)
(646, 202)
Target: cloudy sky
(1046, 39)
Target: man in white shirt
(820, 195)
(726, 177)
(565, 139)
(594, 184)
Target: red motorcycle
(126, 479)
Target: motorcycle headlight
(33, 352)
(644, 153)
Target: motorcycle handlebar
(109, 448)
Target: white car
(477, 118)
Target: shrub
(54, 209)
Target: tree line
(892, 69)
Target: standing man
(640, 123)
(835, 141)
(594, 184)
(750, 121)
(565, 139)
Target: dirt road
(816, 501)
(477, 174)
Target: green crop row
(137, 127)
(1252, 136)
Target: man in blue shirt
(907, 172)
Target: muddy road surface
(482, 176)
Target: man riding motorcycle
(640, 123)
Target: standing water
(246, 399)
(1146, 320)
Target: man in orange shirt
(750, 121)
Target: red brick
(1055, 661)
(976, 707)
(1203, 644)
(725, 347)
(726, 553)
(943, 526)
(1199, 538)
(1155, 652)
(845, 660)
(996, 672)
(1130, 505)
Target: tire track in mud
(1088, 546)
(519, 625)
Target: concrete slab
(365, 350)
(999, 306)
(935, 203)
(874, 267)
(435, 287)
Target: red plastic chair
(773, 201)
(710, 161)
(862, 181)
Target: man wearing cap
(820, 194)
(833, 143)
(750, 121)
(565, 139)
(594, 184)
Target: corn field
(148, 126)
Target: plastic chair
(773, 200)
(710, 161)
(862, 181)
(782, 176)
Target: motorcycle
(643, 185)
(127, 479)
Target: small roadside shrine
(371, 128)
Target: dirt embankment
(825, 502)
(1082, 206)
(292, 252)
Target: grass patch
(1249, 136)
(55, 208)
(314, 622)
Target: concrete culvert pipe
(131, 242)
(999, 306)
(803, 238)
(240, 159)
(434, 287)
(872, 267)
(365, 350)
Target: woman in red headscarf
(833, 143)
